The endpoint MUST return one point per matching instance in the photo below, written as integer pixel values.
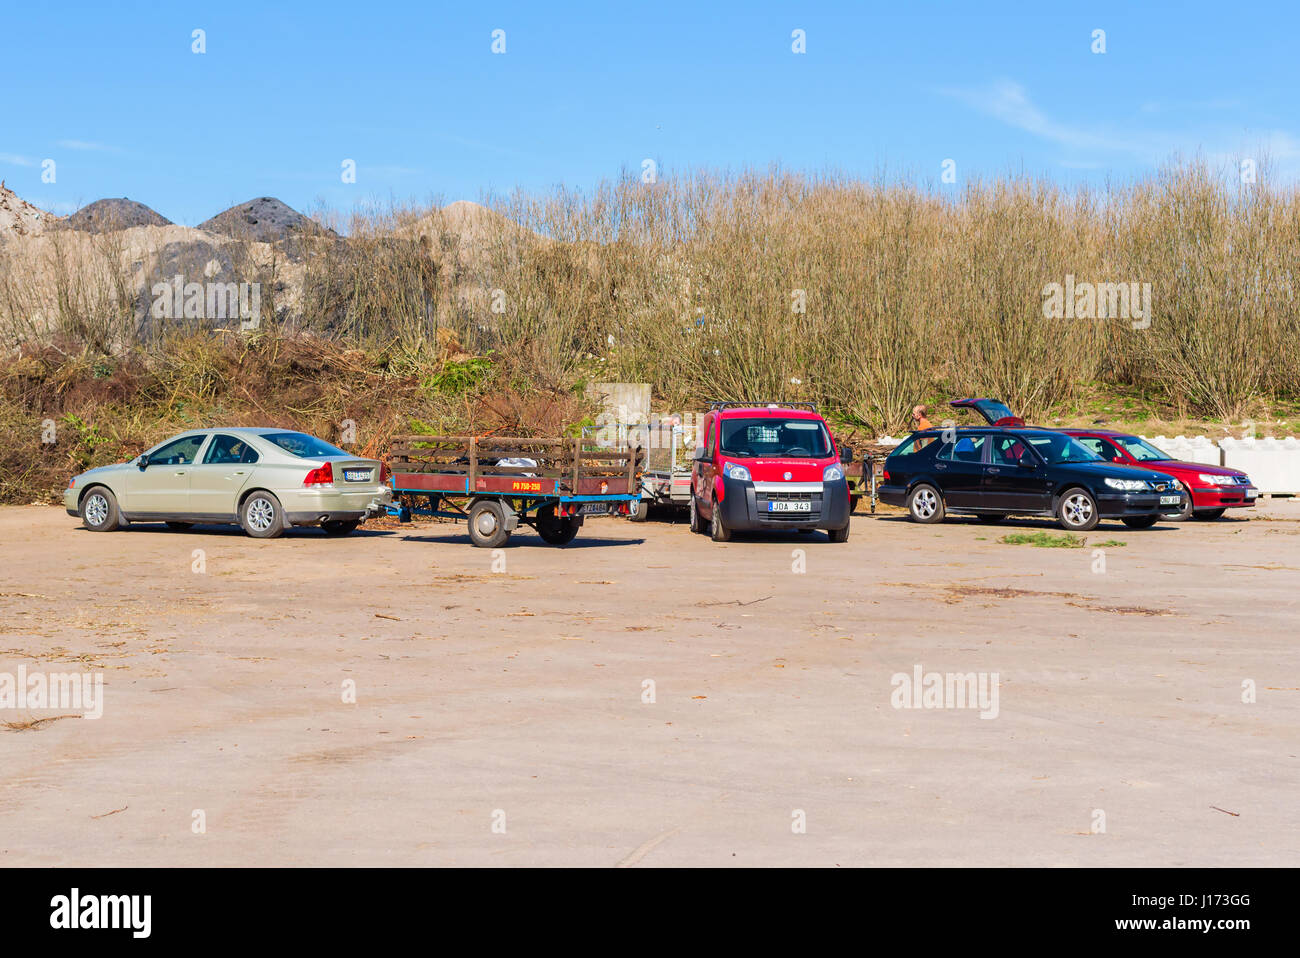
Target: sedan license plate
(356, 475)
(594, 509)
(1170, 500)
(777, 505)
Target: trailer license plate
(776, 505)
(594, 509)
(356, 475)
(1170, 500)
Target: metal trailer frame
(658, 487)
(571, 480)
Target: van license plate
(1170, 500)
(780, 506)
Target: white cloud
(13, 159)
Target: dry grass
(865, 297)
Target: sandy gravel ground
(499, 716)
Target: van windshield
(772, 438)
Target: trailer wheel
(556, 530)
(487, 524)
(642, 511)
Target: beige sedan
(265, 480)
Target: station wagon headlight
(1127, 485)
(1210, 480)
(832, 473)
(733, 471)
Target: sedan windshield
(771, 437)
(1057, 448)
(1140, 449)
(302, 445)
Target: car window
(1101, 447)
(1141, 450)
(713, 437)
(228, 450)
(1057, 448)
(302, 445)
(1010, 450)
(965, 449)
(915, 445)
(178, 452)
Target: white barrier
(1196, 449)
(1272, 464)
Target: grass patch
(1045, 540)
(1110, 544)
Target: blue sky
(413, 93)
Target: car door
(704, 470)
(163, 487)
(959, 467)
(216, 480)
(1016, 479)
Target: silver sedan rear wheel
(261, 516)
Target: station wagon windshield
(1058, 448)
(302, 445)
(771, 438)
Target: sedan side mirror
(144, 462)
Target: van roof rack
(729, 404)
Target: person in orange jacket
(918, 415)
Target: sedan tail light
(884, 476)
(320, 476)
(383, 473)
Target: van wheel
(925, 504)
(99, 512)
(1076, 510)
(717, 531)
(1209, 515)
(1140, 522)
(697, 523)
(487, 524)
(261, 516)
(839, 535)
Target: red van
(767, 466)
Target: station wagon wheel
(556, 530)
(99, 512)
(1077, 510)
(261, 516)
(487, 524)
(925, 504)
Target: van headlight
(1127, 485)
(832, 473)
(1210, 480)
(733, 471)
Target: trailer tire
(556, 530)
(642, 511)
(487, 524)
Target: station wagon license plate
(356, 475)
(1170, 500)
(777, 505)
(594, 509)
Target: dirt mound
(264, 220)
(20, 218)
(107, 215)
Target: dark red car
(1212, 489)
